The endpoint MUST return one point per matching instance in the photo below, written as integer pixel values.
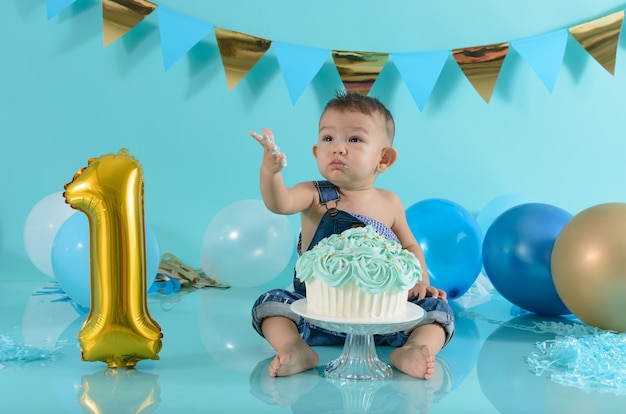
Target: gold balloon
(118, 329)
(589, 266)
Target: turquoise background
(65, 98)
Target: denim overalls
(277, 302)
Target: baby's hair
(353, 101)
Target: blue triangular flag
(55, 7)
(544, 53)
(420, 71)
(299, 65)
(179, 33)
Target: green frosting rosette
(375, 263)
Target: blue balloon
(517, 250)
(71, 258)
(452, 242)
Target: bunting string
(358, 70)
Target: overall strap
(328, 192)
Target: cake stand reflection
(359, 360)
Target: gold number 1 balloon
(118, 329)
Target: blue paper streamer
(55, 289)
(166, 286)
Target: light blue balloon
(452, 243)
(497, 206)
(71, 258)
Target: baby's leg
(293, 355)
(417, 356)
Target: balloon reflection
(462, 352)
(226, 330)
(124, 390)
(503, 374)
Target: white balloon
(41, 226)
(246, 245)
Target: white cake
(358, 274)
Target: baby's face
(349, 146)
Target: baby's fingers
(268, 137)
(267, 140)
(257, 136)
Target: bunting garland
(57, 6)
(120, 16)
(481, 65)
(359, 70)
(179, 33)
(600, 37)
(420, 72)
(299, 65)
(240, 52)
(544, 53)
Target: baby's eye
(354, 139)
(327, 138)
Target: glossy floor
(213, 361)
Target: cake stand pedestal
(359, 360)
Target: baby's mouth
(338, 165)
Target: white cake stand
(359, 361)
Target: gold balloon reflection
(481, 65)
(120, 16)
(119, 390)
(240, 52)
(359, 70)
(118, 329)
(600, 37)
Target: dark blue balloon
(517, 250)
(452, 243)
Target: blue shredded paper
(590, 359)
(11, 351)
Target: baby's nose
(339, 149)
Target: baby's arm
(401, 228)
(277, 197)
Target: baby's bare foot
(292, 360)
(415, 360)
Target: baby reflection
(311, 392)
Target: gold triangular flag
(481, 65)
(120, 16)
(599, 37)
(359, 70)
(240, 52)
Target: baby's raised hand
(271, 149)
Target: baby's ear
(387, 158)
